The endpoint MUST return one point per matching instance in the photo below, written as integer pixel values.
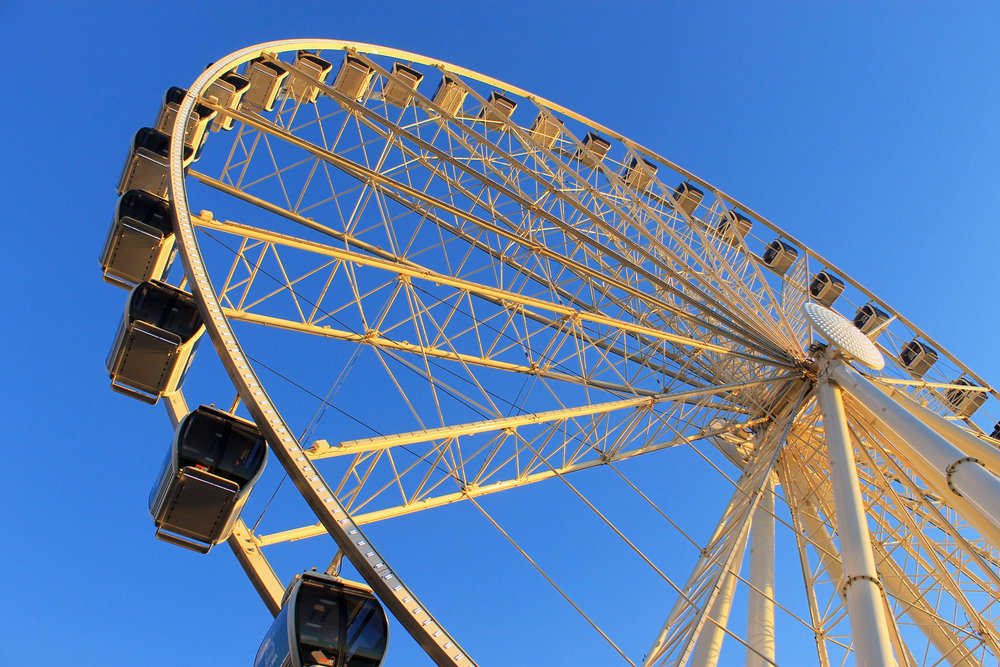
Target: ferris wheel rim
(226, 344)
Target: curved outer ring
(442, 649)
(431, 636)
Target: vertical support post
(760, 606)
(966, 477)
(862, 590)
(709, 644)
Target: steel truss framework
(530, 307)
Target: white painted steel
(861, 587)
(986, 452)
(864, 598)
(402, 602)
(965, 476)
(844, 335)
(760, 614)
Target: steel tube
(861, 588)
(966, 477)
(760, 612)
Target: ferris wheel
(430, 289)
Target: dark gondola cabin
(779, 256)
(213, 463)
(199, 120)
(917, 357)
(825, 288)
(637, 177)
(965, 402)
(688, 197)
(868, 318)
(733, 226)
(326, 621)
(148, 162)
(140, 242)
(155, 342)
(594, 148)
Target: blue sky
(868, 130)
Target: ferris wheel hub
(843, 335)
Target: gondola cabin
(545, 129)
(140, 242)
(210, 469)
(148, 163)
(734, 226)
(995, 434)
(353, 78)
(688, 197)
(265, 78)
(917, 357)
(199, 120)
(398, 89)
(297, 86)
(965, 402)
(326, 621)
(227, 91)
(779, 256)
(449, 96)
(593, 150)
(155, 342)
(868, 318)
(496, 111)
(638, 178)
(825, 288)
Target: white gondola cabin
(297, 86)
(148, 163)
(398, 89)
(326, 620)
(266, 79)
(155, 342)
(212, 465)
(497, 110)
(779, 256)
(140, 243)
(199, 120)
(545, 129)
(917, 357)
(449, 96)
(688, 197)
(353, 78)
(825, 288)
(227, 91)
(593, 150)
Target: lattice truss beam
(471, 182)
(463, 249)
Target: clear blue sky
(868, 130)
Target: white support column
(709, 644)
(966, 476)
(862, 590)
(988, 454)
(760, 606)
